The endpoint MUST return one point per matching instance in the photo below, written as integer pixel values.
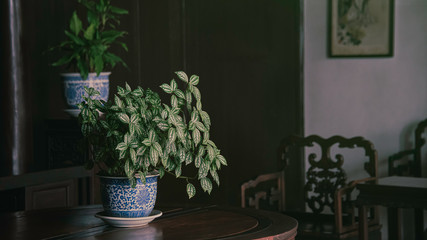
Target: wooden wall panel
(246, 52)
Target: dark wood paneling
(52, 195)
(246, 52)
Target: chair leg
(363, 223)
(419, 223)
(394, 223)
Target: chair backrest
(326, 178)
(409, 162)
(266, 191)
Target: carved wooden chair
(267, 191)
(329, 211)
(409, 163)
(329, 195)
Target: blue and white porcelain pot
(119, 199)
(74, 87)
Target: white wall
(381, 99)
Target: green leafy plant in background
(136, 134)
(88, 48)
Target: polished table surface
(207, 222)
(393, 192)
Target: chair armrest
(338, 200)
(393, 170)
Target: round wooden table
(211, 222)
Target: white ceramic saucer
(129, 222)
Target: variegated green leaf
(123, 117)
(141, 150)
(174, 101)
(199, 105)
(158, 148)
(146, 142)
(206, 184)
(179, 94)
(138, 92)
(141, 176)
(122, 154)
(132, 154)
(203, 169)
(163, 126)
(181, 154)
(191, 190)
(206, 137)
(180, 134)
(188, 159)
(200, 126)
(119, 102)
(146, 160)
(191, 126)
(194, 116)
(173, 119)
(176, 112)
(132, 128)
(182, 76)
(164, 114)
(154, 156)
(104, 124)
(198, 161)
(132, 181)
(201, 151)
(166, 88)
(188, 97)
(127, 169)
(222, 160)
(194, 80)
(152, 136)
(122, 146)
(217, 163)
(211, 143)
(134, 119)
(196, 137)
(178, 171)
(173, 148)
(211, 152)
(161, 172)
(215, 176)
(128, 87)
(205, 118)
(165, 160)
(197, 94)
(173, 85)
(172, 135)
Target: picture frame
(361, 28)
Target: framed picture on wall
(361, 28)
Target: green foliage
(88, 48)
(137, 133)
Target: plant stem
(183, 177)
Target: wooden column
(16, 127)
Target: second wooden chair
(329, 211)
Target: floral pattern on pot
(74, 87)
(121, 200)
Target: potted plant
(136, 138)
(87, 49)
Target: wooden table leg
(394, 228)
(419, 223)
(363, 223)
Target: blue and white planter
(119, 199)
(74, 87)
